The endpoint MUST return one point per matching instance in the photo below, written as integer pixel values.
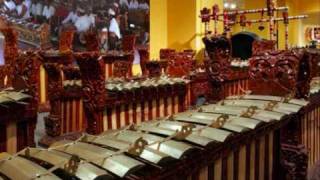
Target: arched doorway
(242, 44)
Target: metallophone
(296, 72)
(12, 37)
(19, 104)
(236, 137)
(128, 99)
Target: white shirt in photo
(114, 27)
(19, 10)
(134, 4)
(93, 19)
(48, 12)
(143, 6)
(124, 3)
(83, 23)
(72, 17)
(10, 5)
(27, 3)
(36, 9)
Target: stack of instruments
(237, 138)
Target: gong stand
(229, 18)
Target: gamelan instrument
(235, 138)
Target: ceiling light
(226, 5)
(233, 6)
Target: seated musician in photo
(134, 4)
(114, 31)
(27, 3)
(103, 36)
(48, 10)
(143, 5)
(9, 6)
(36, 9)
(83, 24)
(22, 10)
(124, 4)
(71, 19)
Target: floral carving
(93, 86)
(66, 40)
(53, 69)
(180, 64)
(166, 53)
(26, 74)
(155, 68)
(262, 46)
(10, 50)
(121, 68)
(218, 49)
(92, 41)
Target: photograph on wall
(40, 23)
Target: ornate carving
(53, 121)
(93, 86)
(166, 53)
(25, 76)
(92, 41)
(284, 70)
(72, 73)
(144, 59)
(218, 49)
(66, 40)
(122, 69)
(45, 36)
(128, 43)
(125, 58)
(26, 71)
(262, 46)
(200, 86)
(57, 57)
(313, 55)
(10, 50)
(180, 64)
(155, 68)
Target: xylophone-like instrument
(237, 138)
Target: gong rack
(229, 18)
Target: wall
(250, 4)
(312, 9)
(158, 26)
(176, 24)
(296, 27)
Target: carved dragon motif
(285, 69)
